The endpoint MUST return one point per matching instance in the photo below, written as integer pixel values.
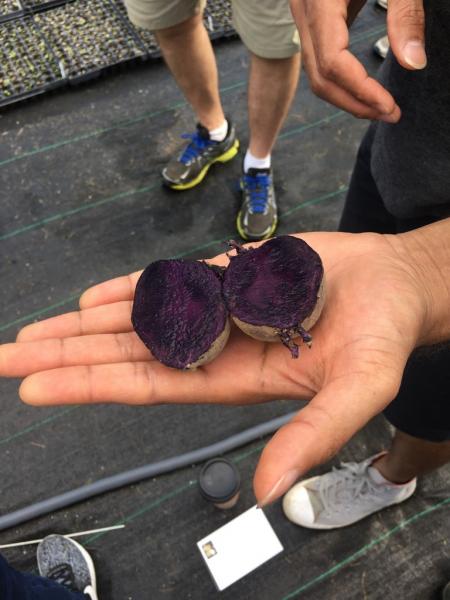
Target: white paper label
(239, 547)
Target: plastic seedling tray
(27, 65)
(75, 40)
(38, 5)
(10, 9)
(218, 19)
(149, 41)
(147, 38)
(88, 36)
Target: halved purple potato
(179, 313)
(275, 292)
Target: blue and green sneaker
(257, 219)
(191, 167)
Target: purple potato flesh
(179, 312)
(275, 292)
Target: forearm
(426, 252)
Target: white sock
(251, 162)
(219, 133)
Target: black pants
(422, 406)
(24, 586)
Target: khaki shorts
(265, 26)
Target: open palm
(369, 326)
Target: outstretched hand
(373, 315)
(335, 74)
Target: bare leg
(272, 86)
(189, 55)
(411, 457)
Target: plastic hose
(114, 482)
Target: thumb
(406, 29)
(318, 431)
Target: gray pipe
(146, 471)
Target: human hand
(335, 74)
(374, 315)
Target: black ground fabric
(81, 201)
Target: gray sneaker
(191, 166)
(381, 46)
(64, 561)
(343, 496)
(257, 219)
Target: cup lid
(219, 480)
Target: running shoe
(192, 165)
(257, 219)
(343, 496)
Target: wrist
(425, 254)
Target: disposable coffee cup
(220, 482)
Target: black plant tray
(146, 37)
(89, 36)
(28, 66)
(218, 19)
(151, 45)
(35, 6)
(10, 9)
(55, 42)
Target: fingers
(319, 431)
(336, 64)
(127, 383)
(354, 91)
(20, 360)
(114, 290)
(150, 382)
(406, 30)
(111, 318)
(334, 73)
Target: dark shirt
(411, 159)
